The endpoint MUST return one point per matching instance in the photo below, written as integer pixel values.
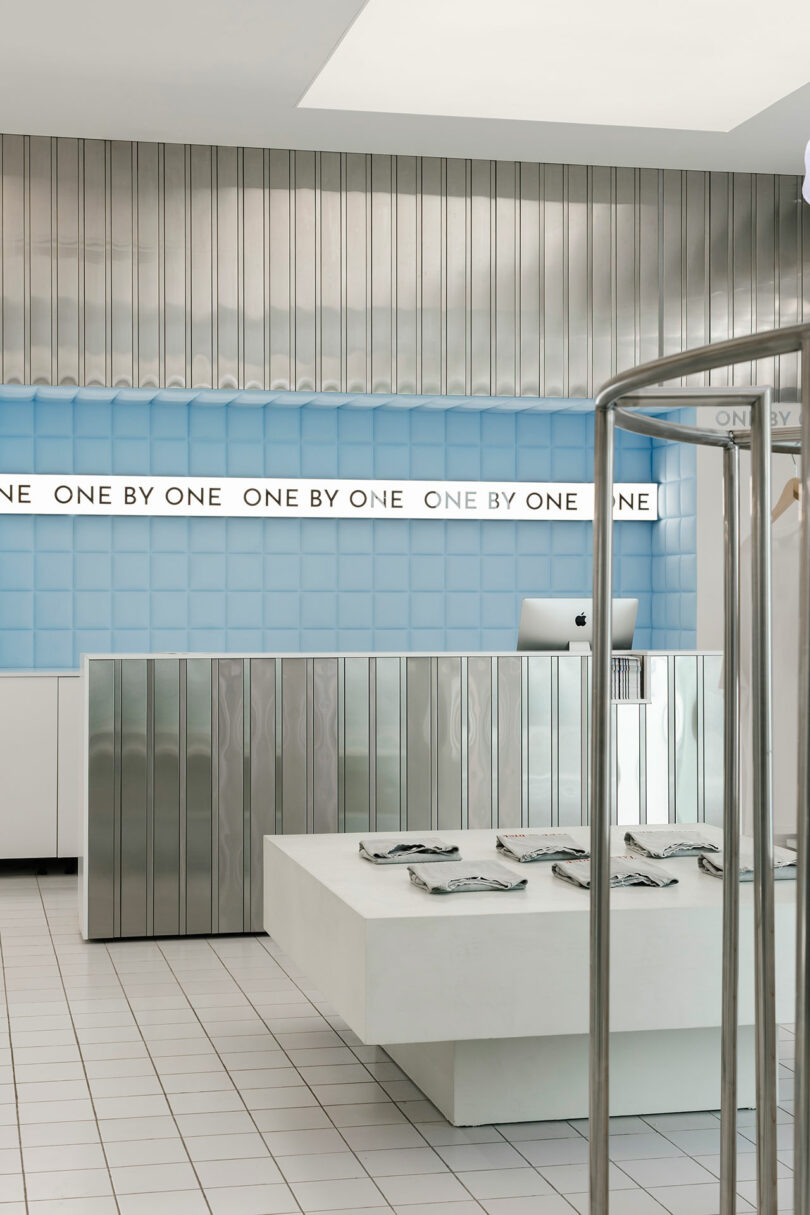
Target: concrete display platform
(482, 999)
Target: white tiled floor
(190, 1076)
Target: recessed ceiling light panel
(701, 65)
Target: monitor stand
(579, 647)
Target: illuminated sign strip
(314, 498)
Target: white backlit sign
(285, 498)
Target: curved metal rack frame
(615, 406)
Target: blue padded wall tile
(207, 422)
(286, 584)
(390, 641)
(245, 609)
(391, 610)
(393, 460)
(356, 460)
(92, 571)
(206, 458)
(53, 648)
(169, 609)
(319, 641)
(391, 537)
(17, 456)
(131, 456)
(17, 609)
(91, 456)
(206, 571)
(427, 609)
(16, 418)
(393, 573)
(318, 571)
(131, 641)
(355, 610)
(319, 460)
(169, 535)
(282, 460)
(53, 533)
(244, 572)
(206, 610)
(130, 571)
(17, 571)
(355, 535)
(53, 610)
(53, 571)
(207, 535)
(282, 610)
(463, 463)
(16, 647)
(130, 609)
(131, 535)
(355, 573)
(426, 536)
(245, 460)
(244, 535)
(203, 640)
(242, 641)
(282, 572)
(92, 609)
(92, 535)
(93, 418)
(462, 573)
(168, 641)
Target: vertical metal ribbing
(600, 811)
(731, 833)
(761, 696)
(801, 1179)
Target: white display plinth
(482, 999)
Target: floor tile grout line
(407, 1115)
(78, 1048)
(159, 1078)
(290, 1062)
(13, 1068)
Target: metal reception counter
(190, 760)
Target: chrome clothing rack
(615, 405)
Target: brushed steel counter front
(191, 759)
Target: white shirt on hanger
(785, 666)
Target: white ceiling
(235, 71)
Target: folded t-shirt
(624, 871)
(538, 846)
(400, 851)
(680, 841)
(466, 876)
(784, 864)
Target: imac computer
(562, 624)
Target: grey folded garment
(681, 841)
(538, 846)
(784, 864)
(400, 851)
(465, 876)
(624, 871)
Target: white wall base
(477, 1083)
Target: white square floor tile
(504, 1183)
(429, 1187)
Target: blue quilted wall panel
(74, 585)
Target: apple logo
(580, 620)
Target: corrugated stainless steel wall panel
(192, 761)
(151, 264)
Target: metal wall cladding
(155, 265)
(193, 760)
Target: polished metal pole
(731, 832)
(761, 696)
(599, 1125)
(801, 1177)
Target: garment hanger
(788, 496)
